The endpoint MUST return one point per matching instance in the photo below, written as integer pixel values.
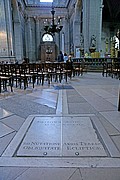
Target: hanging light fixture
(53, 28)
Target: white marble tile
(45, 95)
(80, 138)
(4, 130)
(61, 136)
(46, 102)
(43, 138)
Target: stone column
(26, 36)
(18, 43)
(92, 22)
(29, 40)
(66, 35)
(76, 25)
(8, 19)
(37, 37)
(63, 43)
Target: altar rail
(7, 59)
(95, 63)
(96, 60)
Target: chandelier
(53, 28)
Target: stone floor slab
(100, 173)
(4, 141)
(100, 104)
(80, 108)
(4, 113)
(45, 94)
(60, 136)
(113, 117)
(59, 162)
(102, 93)
(11, 173)
(47, 174)
(46, 102)
(15, 122)
(108, 143)
(4, 130)
(113, 100)
(116, 140)
(80, 139)
(43, 138)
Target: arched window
(47, 37)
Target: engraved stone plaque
(80, 138)
(61, 136)
(43, 138)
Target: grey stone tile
(112, 89)
(113, 101)
(76, 175)
(75, 99)
(111, 130)
(100, 104)
(83, 108)
(11, 173)
(85, 91)
(71, 92)
(102, 93)
(4, 141)
(23, 108)
(113, 117)
(116, 140)
(100, 173)
(15, 122)
(48, 174)
(4, 130)
(4, 113)
(105, 138)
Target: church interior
(59, 89)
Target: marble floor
(63, 131)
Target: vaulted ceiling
(111, 9)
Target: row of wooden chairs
(24, 74)
(111, 69)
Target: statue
(81, 45)
(93, 41)
(81, 41)
(92, 44)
